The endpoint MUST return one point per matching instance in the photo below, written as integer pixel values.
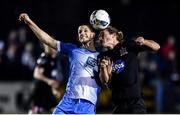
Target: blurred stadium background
(19, 49)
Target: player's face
(85, 34)
(106, 39)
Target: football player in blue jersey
(82, 89)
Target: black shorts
(42, 96)
(136, 106)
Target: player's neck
(90, 45)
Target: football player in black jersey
(45, 93)
(119, 69)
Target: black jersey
(49, 64)
(124, 82)
(42, 95)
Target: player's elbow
(36, 73)
(156, 47)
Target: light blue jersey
(83, 64)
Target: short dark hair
(89, 26)
(118, 33)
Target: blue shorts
(74, 106)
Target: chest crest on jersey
(123, 51)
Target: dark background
(151, 19)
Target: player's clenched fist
(140, 41)
(24, 17)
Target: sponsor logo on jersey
(118, 66)
(92, 62)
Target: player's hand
(56, 93)
(24, 17)
(53, 83)
(140, 41)
(109, 66)
(104, 63)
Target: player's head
(109, 37)
(85, 34)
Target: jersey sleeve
(65, 48)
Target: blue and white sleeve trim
(58, 46)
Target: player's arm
(41, 35)
(105, 71)
(38, 74)
(148, 43)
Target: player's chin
(81, 40)
(104, 45)
(84, 41)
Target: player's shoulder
(69, 44)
